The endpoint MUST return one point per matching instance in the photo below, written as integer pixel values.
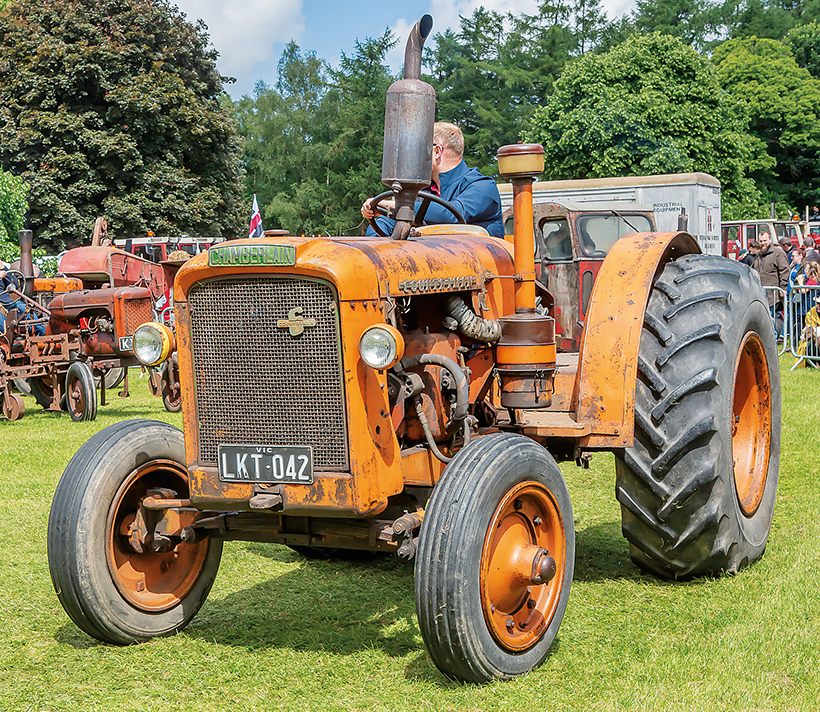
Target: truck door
(559, 274)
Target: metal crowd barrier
(803, 319)
(780, 315)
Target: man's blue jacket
(471, 192)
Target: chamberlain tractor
(403, 394)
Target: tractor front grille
(137, 312)
(258, 380)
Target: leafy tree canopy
(650, 105)
(111, 107)
(313, 142)
(783, 103)
(13, 206)
(804, 42)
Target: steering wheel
(426, 198)
(20, 277)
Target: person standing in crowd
(811, 253)
(748, 257)
(773, 267)
(787, 247)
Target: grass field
(281, 632)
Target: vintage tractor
(88, 335)
(402, 394)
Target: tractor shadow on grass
(602, 554)
(334, 605)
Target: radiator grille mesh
(257, 384)
(137, 312)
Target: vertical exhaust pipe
(410, 110)
(26, 265)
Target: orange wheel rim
(525, 528)
(152, 581)
(751, 423)
(76, 397)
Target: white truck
(696, 193)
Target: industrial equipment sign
(263, 255)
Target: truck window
(791, 231)
(751, 234)
(731, 232)
(598, 233)
(553, 242)
(780, 231)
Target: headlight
(381, 346)
(153, 343)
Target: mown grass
(283, 633)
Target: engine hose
(459, 377)
(425, 426)
(470, 324)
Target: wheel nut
(510, 625)
(518, 504)
(531, 603)
(538, 521)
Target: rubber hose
(470, 324)
(460, 378)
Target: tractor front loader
(402, 394)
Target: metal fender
(604, 392)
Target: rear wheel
(81, 393)
(495, 560)
(111, 591)
(41, 388)
(697, 489)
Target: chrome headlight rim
(153, 343)
(381, 346)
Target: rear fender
(604, 392)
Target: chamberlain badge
(295, 324)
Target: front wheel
(81, 392)
(697, 489)
(495, 561)
(111, 591)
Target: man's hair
(754, 245)
(785, 243)
(449, 136)
(808, 242)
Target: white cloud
(244, 33)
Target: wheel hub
(751, 424)
(522, 566)
(151, 571)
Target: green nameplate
(264, 255)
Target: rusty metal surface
(608, 363)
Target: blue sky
(251, 34)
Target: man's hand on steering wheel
(426, 197)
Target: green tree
(651, 105)
(804, 42)
(492, 73)
(685, 19)
(313, 142)
(13, 207)
(588, 24)
(112, 107)
(783, 103)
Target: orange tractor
(402, 394)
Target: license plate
(126, 343)
(284, 464)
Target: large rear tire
(697, 489)
(108, 589)
(495, 560)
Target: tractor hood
(360, 268)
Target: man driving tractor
(473, 193)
